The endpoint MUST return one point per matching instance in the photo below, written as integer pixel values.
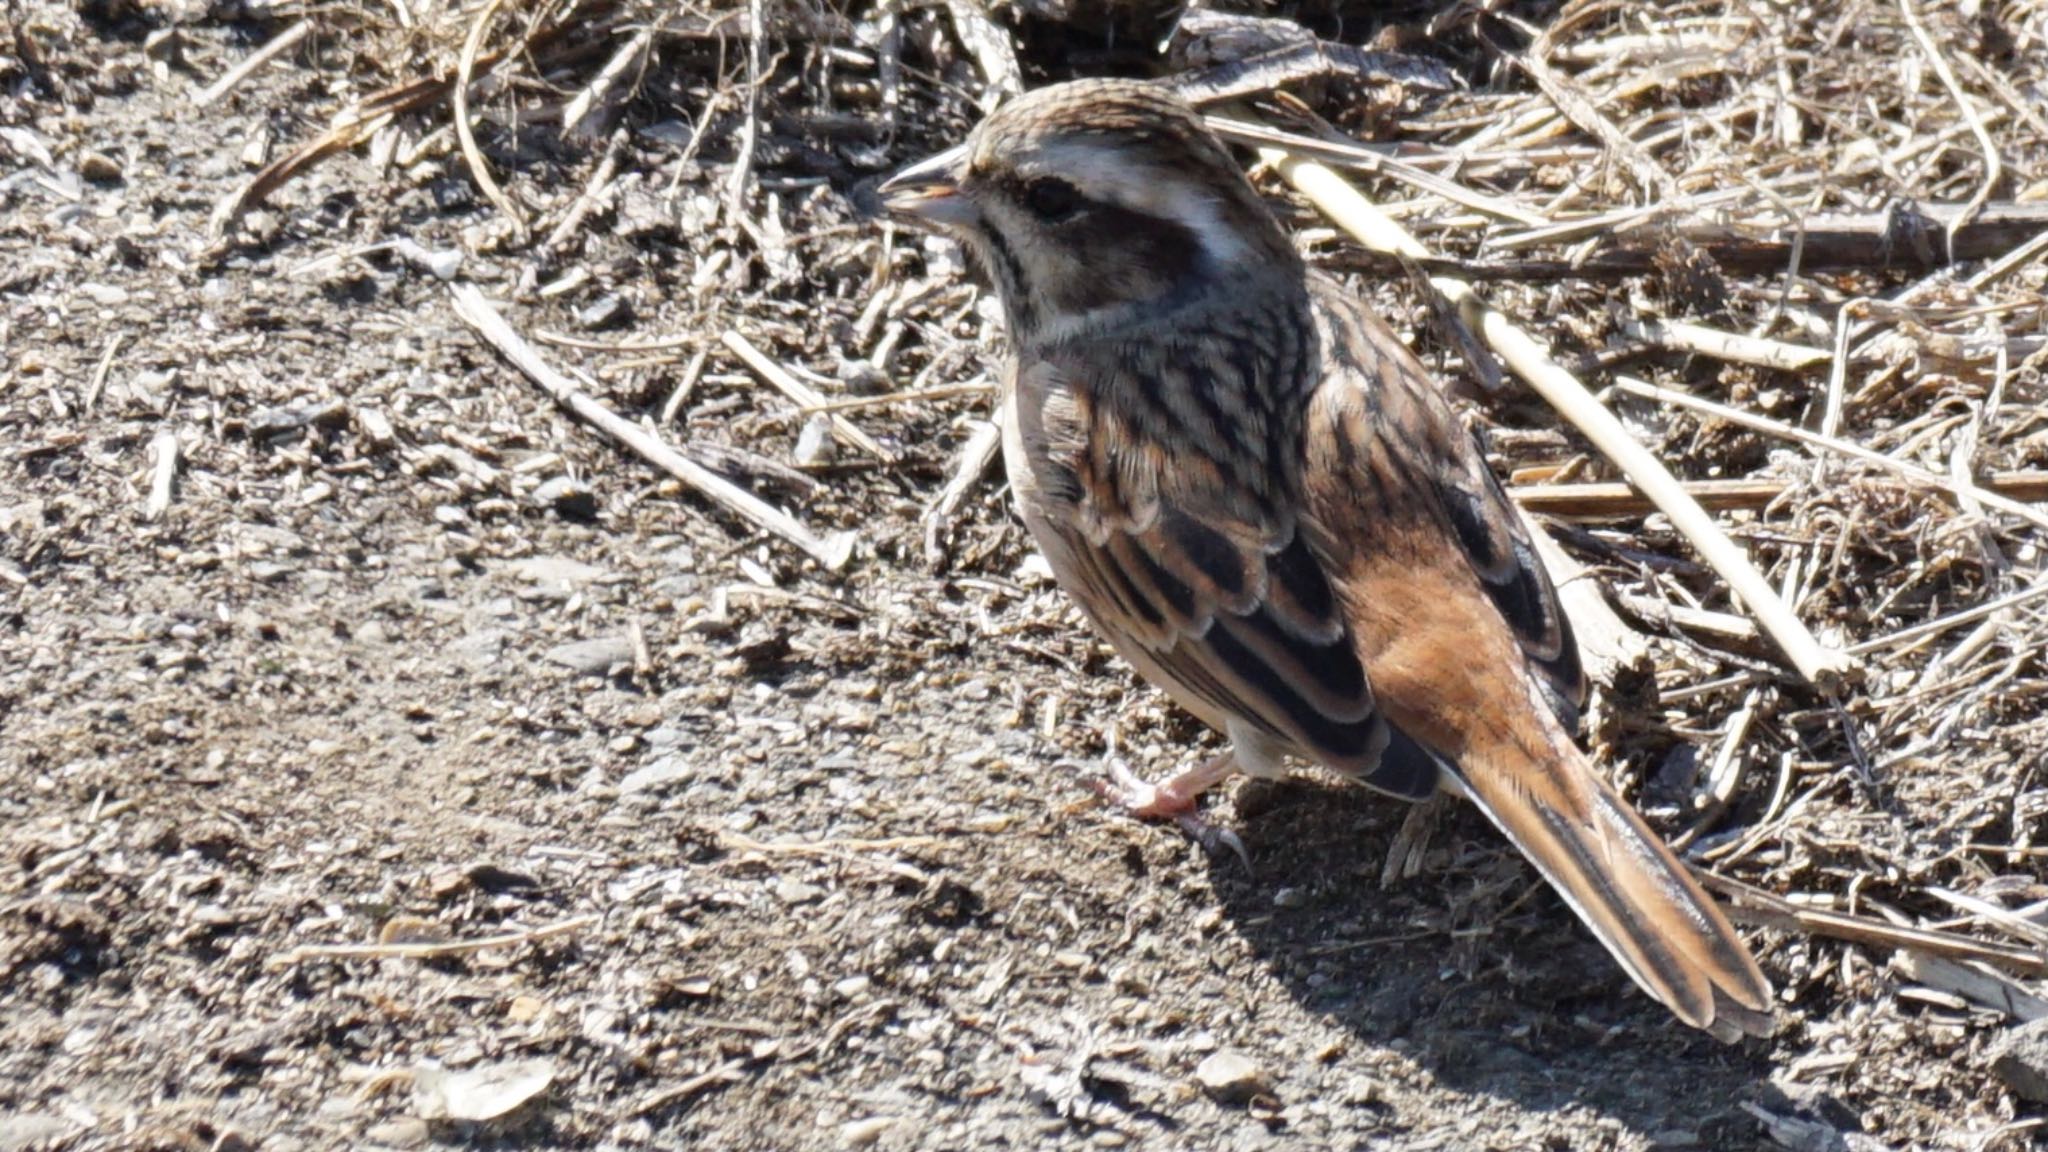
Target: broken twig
(832, 552)
(231, 79)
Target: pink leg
(1175, 797)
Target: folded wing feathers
(1248, 624)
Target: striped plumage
(1257, 494)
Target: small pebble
(862, 1133)
(404, 1132)
(666, 770)
(604, 312)
(862, 378)
(592, 657)
(797, 892)
(2020, 1058)
(674, 133)
(814, 444)
(272, 422)
(100, 168)
(570, 500)
(496, 878)
(269, 572)
(1230, 1078)
(375, 427)
(105, 295)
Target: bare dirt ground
(791, 858)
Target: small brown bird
(1257, 494)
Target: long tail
(1624, 883)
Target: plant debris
(296, 558)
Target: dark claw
(1214, 839)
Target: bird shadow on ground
(1472, 967)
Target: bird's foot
(1173, 799)
(1142, 798)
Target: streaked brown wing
(1428, 465)
(1496, 541)
(1209, 590)
(1463, 640)
(1254, 633)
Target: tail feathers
(1629, 888)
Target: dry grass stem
(1957, 489)
(1610, 499)
(1994, 169)
(1607, 645)
(1698, 339)
(974, 460)
(432, 951)
(1975, 982)
(631, 57)
(1350, 154)
(2036, 591)
(1001, 75)
(1754, 906)
(479, 170)
(1656, 183)
(842, 850)
(277, 46)
(921, 396)
(806, 397)
(832, 552)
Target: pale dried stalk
(974, 460)
(1973, 982)
(1994, 168)
(806, 397)
(1733, 347)
(1607, 645)
(233, 77)
(1959, 489)
(465, 70)
(470, 304)
(432, 951)
(1754, 906)
(163, 475)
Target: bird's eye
(1052, 200)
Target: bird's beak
(929, 191)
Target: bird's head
(1096, 203)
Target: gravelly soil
(822, 867)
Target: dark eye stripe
(1052, 199)
(1010, 270)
